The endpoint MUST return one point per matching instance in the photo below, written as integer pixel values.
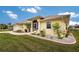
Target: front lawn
(15, 43)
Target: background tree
(3, 26)
(10, 26)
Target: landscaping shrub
(56, 28)
(62, 34)
(69, 29)
(42, 33)
(38, 34)
(67, 34)
(19, 31)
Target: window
(48, 25)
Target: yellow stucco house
(43, 23)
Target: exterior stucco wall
(61, 23)
(48, 31)
(19, 27)
(51, 31)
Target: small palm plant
(56, 28)
(69, 29)
(43, 33)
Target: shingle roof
(45, 18)
(37, 17)
(54, 17)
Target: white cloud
(37, 7)
(23, 9)
(73, 14)
(8, 12)
(11, 14)
(73, 23)
(34, 9)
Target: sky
(14, 14)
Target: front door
(35, 25)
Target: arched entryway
(35, 25)
(25, 30)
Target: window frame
(48, 25)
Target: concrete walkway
(69, 40)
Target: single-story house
(39, 23)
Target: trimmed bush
(19, 31)
(42, 33)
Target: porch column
(31, 26)
(38, 26)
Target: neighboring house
(43, 23)
(76, 27)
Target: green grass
(15, 43)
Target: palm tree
(56, 27)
